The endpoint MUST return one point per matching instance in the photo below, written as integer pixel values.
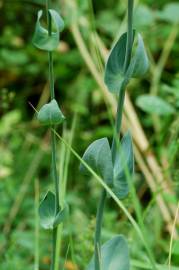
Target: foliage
(25, 147)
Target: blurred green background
(24, 144)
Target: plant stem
(118, 121)
(129, 34)
(99, 219)
(122, 90)
(53, 142)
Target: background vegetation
(91, 28)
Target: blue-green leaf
(170, 13)
(140, 60)
(61, 216)
(154, 105)
(116, 77)
(143, 16)
(50, 114)
(47, 211)
(98, 157)
(114, 255)
(114, 69)
(41, 38)
(48, 218)
(123, 167)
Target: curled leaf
(98, 157)
(114, 255)
(48, 218)
(50, 114)
(41, 38)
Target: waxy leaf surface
(48, 217)
(114, 69)
(41, 38)
(123, 167)
(98, 157)
(114, 255)
(116, 78)
(50, 114)
(140, 61)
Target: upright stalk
(129, 34)
(53, 142)
(99, 219)
(118, 121)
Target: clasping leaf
(48, 218)
(98, 157)
(50, 114)
(114, 255)
(41, 38)
(140, 61)
(116, 77)
(123, 167)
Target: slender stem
(129, 34)
(118, 121)
(54, 169)
(53, 140)
(50, 55)
(126, 64)
(54, 241)
(99, 219)
(36, 256)
(51, 76)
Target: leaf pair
(44, 40)
(99, 157)
(114, 255)
(48, 217)
(116, 77)
(50, 114)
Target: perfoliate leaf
(98, 157)
(61, 216)
(114, 255)
(114, 69)
(116, 78)
(140, 59)
(154, 105)
(50, 114)
(123, 167)
(47, 211)
(48, 217)
(41, 38)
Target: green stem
(118, 122)
(51, 76)
(53, 141)
(99, 219)
(54, 169)
(129, 34)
